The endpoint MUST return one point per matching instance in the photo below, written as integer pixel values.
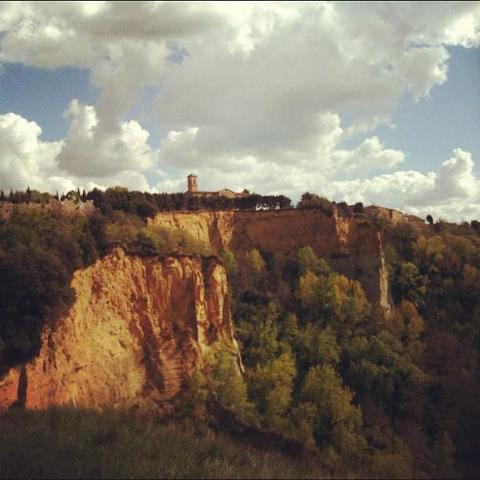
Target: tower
(192, 183)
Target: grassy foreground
(68, 443)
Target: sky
(367, 101)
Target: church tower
(192, 183)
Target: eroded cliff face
(137, 330)
(139, 327)
(351, 244)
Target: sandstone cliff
(140, 326)
(351, 244)
(137, 330)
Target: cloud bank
(257, 95)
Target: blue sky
(262, 96)
(429, 129)
(426, 130)
(43, 95)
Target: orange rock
(351, 244)
(136, 331)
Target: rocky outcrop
(137, 330)
(139, 327)
(351, 243)
(393, 216)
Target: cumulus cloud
(452, 192)
(27, 160)
(370, 154)
(455, 179)
(191, 148)
(252, 95)
(256, 62)
(422, 68)
(89, 152)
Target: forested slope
(390, 392)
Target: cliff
(351, 244)
(139, 327)
(136, 331)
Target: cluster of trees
(139, 238)
(145, 204)
(39, 251)
(314, 201)
(27, 196)
(148, 204)
(387, 396)
(435, 272)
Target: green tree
(315, 345)
(230, 262)
(382, 371)
(336, 422)
(407, 283)
(311, 200)
(228, 381)
(35, 288)
(255, 262)
(334, 299)
(271, 387)
(194, 398)
(308, 261)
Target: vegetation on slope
(395, 397)
(39, 252)
(67, 443)
(392, 397)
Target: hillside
(67, 443)
(354, 334)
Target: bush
(358, 207)
(35, 288)
(40, 250)
(311, 200)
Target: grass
(68, 443)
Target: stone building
(193, 190)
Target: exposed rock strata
(351, 244)
(139, 326)
(137, 330)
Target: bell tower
(192, 183)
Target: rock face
(351, 244)
(136, 331)
(139, 327)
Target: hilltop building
(193, 190)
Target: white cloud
(423, 68)
(25, 159)
(89, 152)
(191, 148)
(267, 66)
(370, 154)
(250, 94)
(452, 192)
(455, 179)
(464, 30)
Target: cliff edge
(351, 244)
(137, 330)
